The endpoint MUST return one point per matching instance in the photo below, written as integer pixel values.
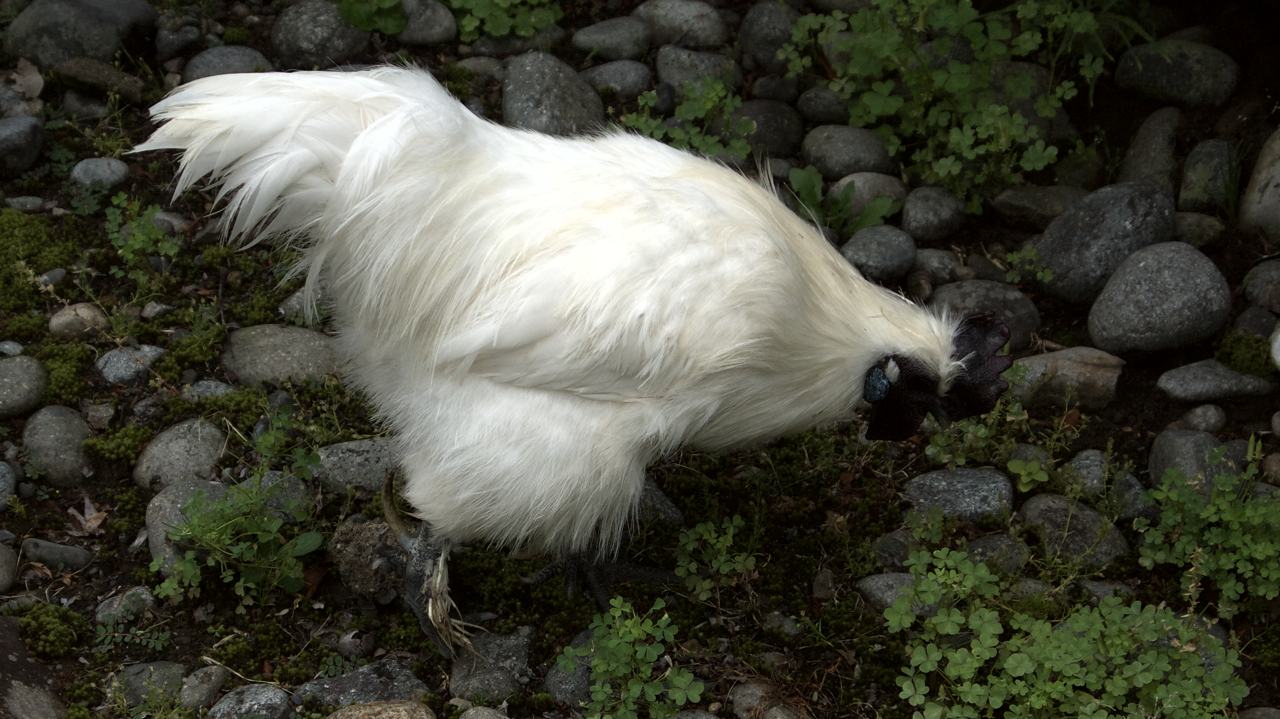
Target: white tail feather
(281, 144)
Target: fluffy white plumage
(540, 318)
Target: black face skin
(898, 414)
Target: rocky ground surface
(143, 364)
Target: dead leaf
(26, 80)
(90, 521)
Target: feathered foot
(597, 579)
(426, 591)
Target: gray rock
(619, 38)
(820, 105)
(383, 680)
(172, 43)
(882, 253)
(28, 699)
(429, 23)
(1072, 532)
(543, 93)
(206, 389)
(1209, 177)
(940, 265)
(8, 568)
(931, 214)
(1255, 321)
(358, 464)
(1129, 499)
(1260, 205)
(83, 320)
(1033, 207)
(1001, 552)
(1260, 713)
(776, 87)
(968, 495)
(200, 688)
(120, 609)
(101, 172)
(486, 713)
(128, 365)
(253, 701)
(1205, 418)
(1088, 473)
(766, 29)
(863, 187)
(22, 383)
(1150, 155)
(657, 509)
(882, 590)
(1197, 230)
(1165, 296)
(679, 67)
(685, 23)
(403, 710)
(1076, 375)
(98, 414)
(1262, 286)
(1099, 589)
(154, 309)
(892, 549)
(102, 77)
(1179, 71)
(187, 450)
(274, 354)
(840, 150)
(621, 79)
(494, 671)
(9, 348)
(1210, 380)
(54, 440)
(8, 486)
(150, 681)
(1007, 302)
(370, 559)
(20, 142)
(571, 688)
(1085, 244)
(225, 60)
(56, 556)
(312, 34)
(164, 512)
(1189, 452)
(778, 128)
(25, 203)
(49, 32)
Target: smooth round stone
(882, 253)
(83, 320)
(22, 383)
(619, 38)
(1206, 418)
(624, 79)
(225, 60)
(103, 172)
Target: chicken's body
(539, 318)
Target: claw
(426, 591)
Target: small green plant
(835, 210)
(704, 558)
(704, 121)
(935, 78)
(1026, 263)
(628, 675)
(152, 639)
(252, 536)
(968, 656)
(1217, 529)
(1246, 352)
(133, 233)
(499, 18)
(245, 539)
(123, 444)
(385, 16)
(52, 631)
(1030, 473)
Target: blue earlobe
(876, 386)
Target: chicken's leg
(426, 591)
(598, 578)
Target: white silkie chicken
(540, 318)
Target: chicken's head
(902, 389)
